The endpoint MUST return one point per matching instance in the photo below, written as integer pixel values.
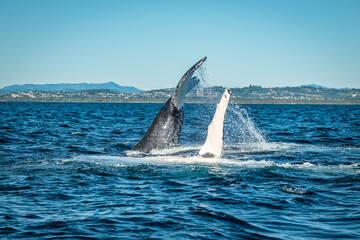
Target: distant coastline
(233, 101)
(246, 95)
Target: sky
(151, 44)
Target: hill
(247, 95)
(69, 87)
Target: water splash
(205, 91)
(241, 132)
(240, 127)
(202, 74)
(246, 130)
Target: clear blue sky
(150, 44)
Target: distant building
(200, 92)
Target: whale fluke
(166, 127)
(215, 138)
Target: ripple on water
(287, 172)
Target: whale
(166, 127)
(213, 145)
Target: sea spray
(202, 74)
(241, 132)
(205, 91)
(241, 127)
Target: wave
(120, 161)
(254, 147)
(166, 151)
(295, 190)
(234, 148)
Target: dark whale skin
(165, 129)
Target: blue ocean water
(288, 172)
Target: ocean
(287, 172)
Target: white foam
(235, 148)
(165, 151)
(120, 161)
(174, 150)
(157, 160)
(294, 190)
(255, 147)
(133, 153)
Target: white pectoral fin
(214, 141)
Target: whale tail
(215, 138)
(166, 127)
(186, 83)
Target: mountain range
(69, 87)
